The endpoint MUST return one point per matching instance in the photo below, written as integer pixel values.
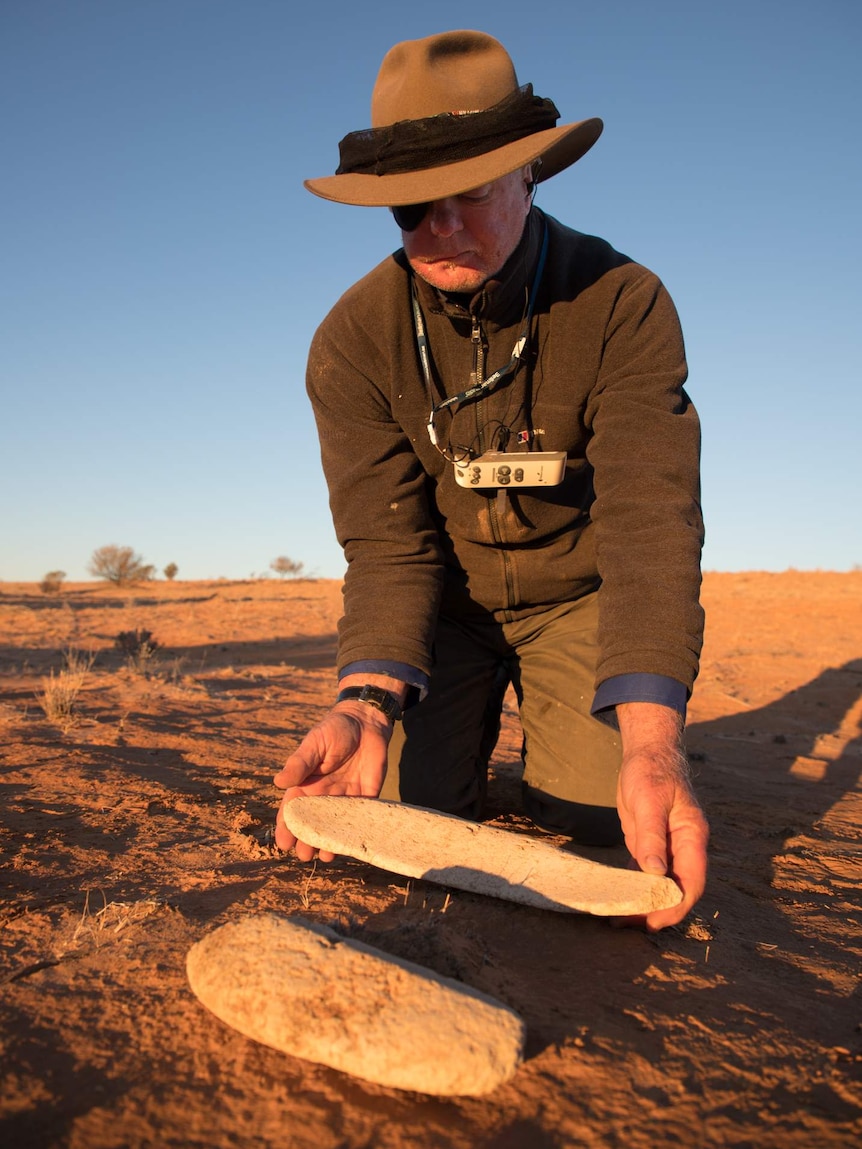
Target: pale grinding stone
(307, 991)
(422, 843)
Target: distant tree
(170, 571)
(285, 566)
(119, 565)
(52, 583)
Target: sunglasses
(410, 216)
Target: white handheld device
(516, 469)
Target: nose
(444, 217)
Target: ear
(531, 175)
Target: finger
(284, 839)
(294, 772)
(650, 839)
(306, 760)
(688, 862)
(688, 869)
(689, 865)
(308, 853)
(658, 920)
(304, 852)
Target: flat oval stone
(421, 843)
(307, 991)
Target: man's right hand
(344, 754)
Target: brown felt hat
(447, 116)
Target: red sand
(140, 827)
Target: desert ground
(137, 808)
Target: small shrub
(285, 566)
(52, 583)
(139, 647)
(170, 571)
(119, 565)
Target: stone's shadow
(521, 1133)
(494, 885)
(542, 964)
(205, 905)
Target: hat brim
(557, 148)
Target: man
(513, 472)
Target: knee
(464, 797)
(584, 824)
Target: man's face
(465, 239)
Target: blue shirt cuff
(417, 679)
(656, 688)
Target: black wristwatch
(382, 700)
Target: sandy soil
(141, 824)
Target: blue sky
(162, 268)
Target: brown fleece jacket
(603, 382)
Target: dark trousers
(439, 755)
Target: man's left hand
(665, 829)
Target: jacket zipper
(477, 376)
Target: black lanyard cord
(478, 389)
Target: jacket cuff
(417, 680)
(656, 688)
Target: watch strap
(382, 700)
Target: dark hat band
(413, 145)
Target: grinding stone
(422, 843)
(305, 990)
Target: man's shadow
(780, 784)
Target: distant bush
(52, 583)
(285, 566)
(133, 641)
(170, 571)
(139, 647)
(119, 565)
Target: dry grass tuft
(100, 927)
(60, 691)
(306, 885)
(174, 672)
